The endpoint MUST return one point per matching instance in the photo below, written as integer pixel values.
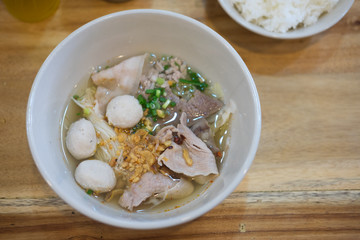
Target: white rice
(283, 15)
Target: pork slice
(170, 95)
(202, 159)
(203, 131)
(148, 185)
(183, 188)
(165, 134)
(123, 78)
(200, 105)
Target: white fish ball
(95, 175)
(81, 139)
(124, 111)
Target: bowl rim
(235, 15)
(124, 223)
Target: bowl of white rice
(286, 19)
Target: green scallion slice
(141, 100)
(160, 81)
(150, 91)
(86, 111)
(152, 105)
(153, 112)
(162, 99)
(166, 104)
(89, 191)
(160, 113)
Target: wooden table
(305, 180)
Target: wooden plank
(242, 215)
(304, 182)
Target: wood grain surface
(305, 180)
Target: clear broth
(71, 114)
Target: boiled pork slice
(148, 185)
(176, 157)
(183, 188)
(165, 134)
(200, 105)
(202, 130)
(123, 78)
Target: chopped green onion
(87, 111)
(160, 81)
(194, 76)
(166, 67)
(188, 81)
(139, 125)
(172, 104)
(150, 91)
(76, 97)
(166, 104)
(162, 99)
(149, 131)
(153, 112)
(152, 105)
(160, 113)
(199, 85)
(78, 114)
(89, 191)
(155, 101)
(141, 100)
(162, 90)
(151, 97)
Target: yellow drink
(31, 10)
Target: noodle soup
(148, 132)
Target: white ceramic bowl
(326, 21)
(128, 33)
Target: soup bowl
(128, 33)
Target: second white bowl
(326, 21)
